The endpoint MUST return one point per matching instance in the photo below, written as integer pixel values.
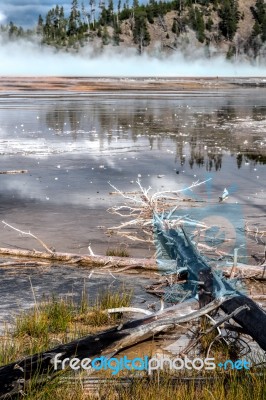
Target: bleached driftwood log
(86, 260)
(117, 263)
(20, 171)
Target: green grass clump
(51, 316)
(54, 315)
(56, 319)
(108, 299)
(117, 252)
(165, 386)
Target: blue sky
(25, 12)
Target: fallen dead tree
(207, 283)
(118, 264)
(85, 260)
(212, 290)
(140, 208)
(14, 377)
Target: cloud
(25, 13)
(2, 17)
(27, 58)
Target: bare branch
(128, 309)
(141, 207)
(194, 184)
(29, 234)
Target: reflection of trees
(196, 152)
(227, 113)
(255, 158)
(239, 160)
(201, 131)
(63, 119)
(214, 161)
(258, 113)
(55, 120)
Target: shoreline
(99, 84)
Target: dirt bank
(87, 84)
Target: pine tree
(140, 31)
(256, 29)
(105, 36)
(209, 24)
(200, 26)
(118, 7)
(74, 19)
(116, 33)
(12, 30)
(135, 4)
(263, 29)
(260, 9)
(39, 29)
(174, 26)
(48, 28)
(110, 12)
(92, 13)
(62, 26)
(229, 15)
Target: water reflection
(199, 132)
(73, 146)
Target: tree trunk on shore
(125, 263)
(209, 285)
(14, 376)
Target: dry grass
(117, 252)
(164, 386)
(56, 321)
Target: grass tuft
(55, 321)
(97, 317)
(117, 252)
(51, 316)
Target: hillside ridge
(235, 29)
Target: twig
(90, 250)
(194, 184)
(234, 264)
(128, 309)
(141, 207)
(21, 171)
(226, 318)
(29, 234)
(33, 293)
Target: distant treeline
(212, 20)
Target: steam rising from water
(30, 59)
(2, 17)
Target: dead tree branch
(29, 234)
(18, 374)
(140, 207)
(21, 171)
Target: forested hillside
(234, 28)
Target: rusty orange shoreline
(94, 84)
